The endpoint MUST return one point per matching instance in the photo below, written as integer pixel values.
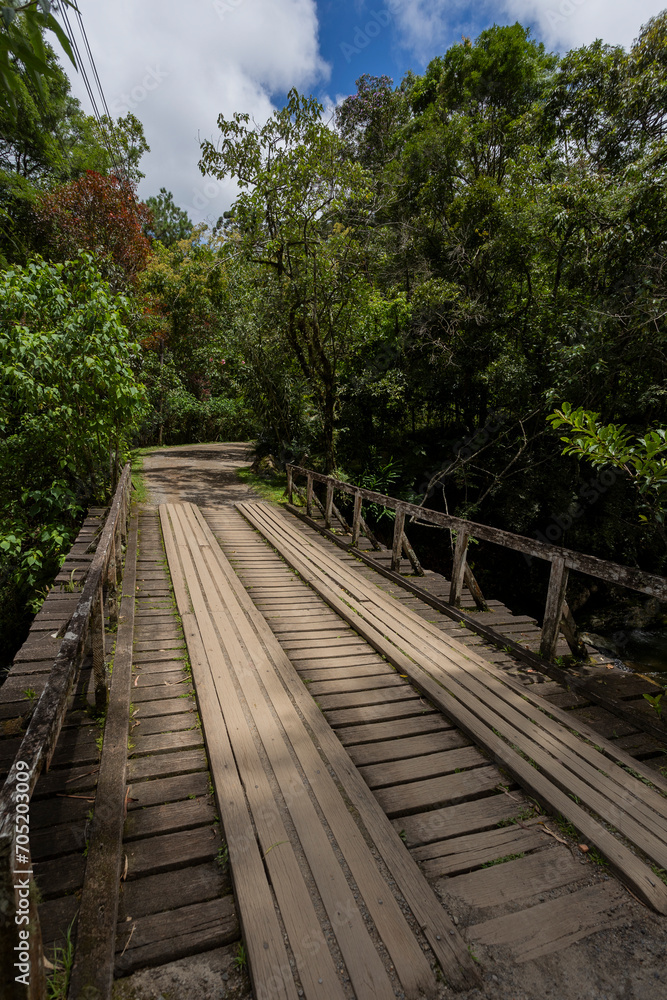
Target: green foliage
(300, 215)
(57, 984)
(169, 223)
(23, 52)
(69, 402)
(642, 459)
(272, 490)
(655, 701)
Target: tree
(300, 215)
(642, 460)
(69, 403)
(22, 48)
(169, 223)
(99, 214)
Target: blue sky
(178, 65)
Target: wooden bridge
(376, 789)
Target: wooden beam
(329, 503)
(356, 518)
(309, 495)
(623, 576)
(553, 611)
(459, 568)
(93, 968)
(397, 548)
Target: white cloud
(423, 25)
(177, 66)
(565, 24)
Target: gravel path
(204, 474)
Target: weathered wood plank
(165, 937)
(555, 925)
(540, 872)
(453, 821)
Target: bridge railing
(562, 560)
(21, 953)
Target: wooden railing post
(356, 518)
(98, 651)
(113, 576)
(553, 611)
(290, 484)
(309, 494)
(397, 547)
(410, 553)
(329, 504)
(459, 568)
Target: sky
(178, 64)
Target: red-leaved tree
(100, 214)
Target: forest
(454, 290)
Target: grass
(222, 857)
(137, 460)
(501, 861)
(57, 983)
(29, 693)
(660, 872)
(273, 491)
(240, 959)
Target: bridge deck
(376, 824)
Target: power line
(105, 135)
(92, 63)
(82, 68)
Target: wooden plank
(169, 817)
(346, 685)
(624, 862)
(540, 872)
(60, 876)
(445, 941)
(453, 821)
(428, 722)
(371, 696)
(170, 890)
(167, 764)
(449, 788)
(377, 713)
(364, 966)
(426, 766)
(170, 851)
(162, 724)
(405, 748)
(166, 937)
(162, 790)
(463, 854)
(366, 971)
(171, 741)
(556, 924)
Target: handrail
(19, 937)
(562, 560)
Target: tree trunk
(329, 428)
